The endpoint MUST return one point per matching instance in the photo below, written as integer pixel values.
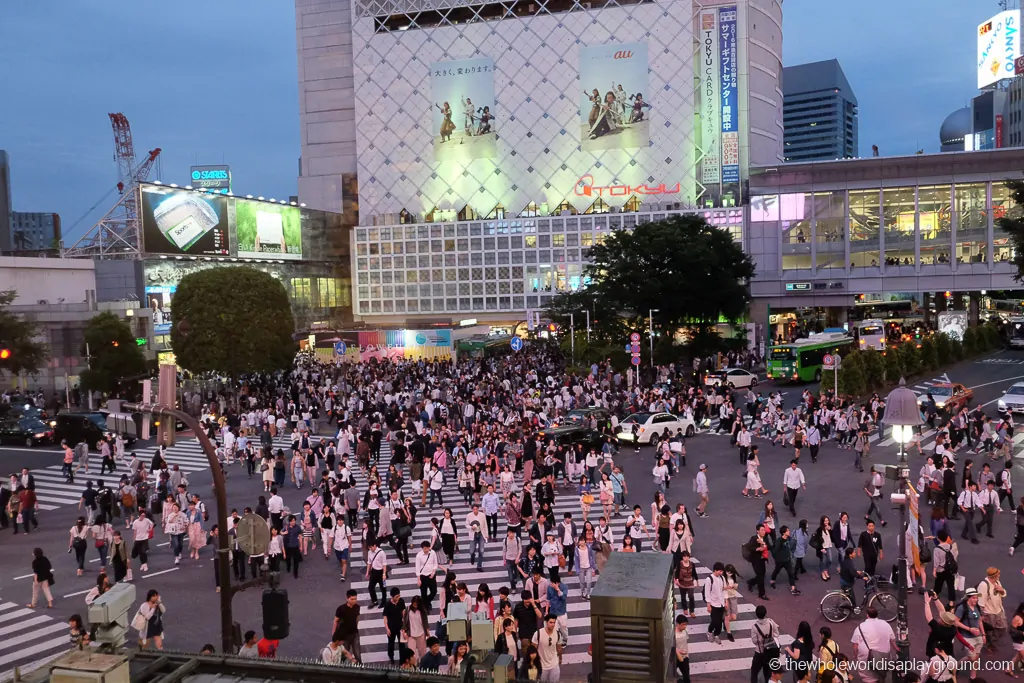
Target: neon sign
(585, 188)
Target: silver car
(1013, 400)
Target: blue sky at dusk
(215, 82)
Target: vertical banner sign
(710, 99)
(999, 131)
(730, 98)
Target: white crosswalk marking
(707, 657)
(53, 490)
(29, 638)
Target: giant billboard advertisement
(999, 45)
(267, 230)
(463, 109)
(729, 66)
(615, 107)
(182, 222)
(710, 104)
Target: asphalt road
(188, 591)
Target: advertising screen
(615, 107)
(158, 299)
(729, 64)
(998, 47)
(267, 230)
(463, 109)
(183, 222)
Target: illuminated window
(301, 294)
(632, 204)
(558, 240)
(498, 212)
(598, 206)
(586, 239)
(565, 206)
(327, 292)
(531, 241)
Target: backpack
(950, 564)
(128, 500)
(747, 550)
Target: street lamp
(902, 415)
(572, 337)
(650, 330)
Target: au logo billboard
(619, 116)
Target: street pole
(650, 333)
(220, 490)
(902, 622)
(588, 327)
(572, 337)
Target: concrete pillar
(940, 302)
(926, 300)
(167, 396)
(974, 309)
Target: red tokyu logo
(585, 188)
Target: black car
(570, 435)
(582, 415)
(77, 427)
(25, 430)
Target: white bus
(1015, 330)
(870, 334)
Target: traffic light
(275, 614)
(5, 353)
(114, 343)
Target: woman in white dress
(754, 486)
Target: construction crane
(118, 234)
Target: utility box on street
(631, 611)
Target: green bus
(801, 361)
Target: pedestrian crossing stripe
(28, 639)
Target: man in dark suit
(28, 480)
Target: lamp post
(588, 327)
(650, 331)
(572, 337)
(902, 415)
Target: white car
(1013, 400)
(652, 427)
(737, 378)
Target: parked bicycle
(837, 606)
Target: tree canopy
(113, 353)
(691, 271)
(1013, 225)
(232, 321)
(18, 336)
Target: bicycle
(837, 606)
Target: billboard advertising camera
(182, 222)
(267, 230)
(999, 46)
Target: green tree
(19, 336)
(1013, 225)
(893, 365)
(692, 272)
(852, 379)
(874, 369)
(910, 359)
(113, 354)
(233, 321)
(956, 349)
(970, 341)
(943, 348)
(929, 355)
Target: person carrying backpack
(945, 565)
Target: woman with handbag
(586, 497)
(119, 558)
(102, 534)
(149, 621)
(42, 577)
(77, 543)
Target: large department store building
(490, 144)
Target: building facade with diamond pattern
(490, 144)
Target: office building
(827, 237)
(34, 231)
(819, 113)
(491, 147)
(5, 202)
